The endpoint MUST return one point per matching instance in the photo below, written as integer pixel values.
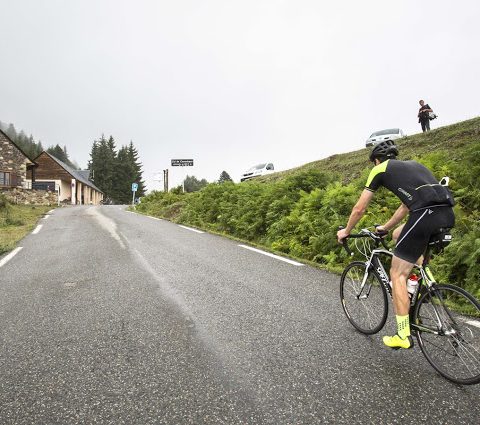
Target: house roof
(85, 174)
(80, 175)
(18, 147)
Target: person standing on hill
(423, 117)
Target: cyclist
(429, 206)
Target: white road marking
(473, 323)
(268, 254)
(37, 229)
(149, 216)
(155, 218)
(51, 212)
(189, 228)
(8, 257)
(45, 217)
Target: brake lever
(347, 248)
(345, 244)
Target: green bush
(3, 202)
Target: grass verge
(16, 221)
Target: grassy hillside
(297, 212)
(450, 139)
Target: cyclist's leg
(399, 273)
(412, 241)
(396, 234)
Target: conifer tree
(102, 164)
(136, 170)
(114, 172)
(224, 177)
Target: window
(4, 178)
(385, 132)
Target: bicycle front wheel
(448, 332)
(366, 307)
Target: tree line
(193, 184)
(113, 171)
(33, 148)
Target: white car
(380, 136)
(257, 171)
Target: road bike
(444, 318)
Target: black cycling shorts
(420, 227)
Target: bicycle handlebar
(378, 238)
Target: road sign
(134, 187)
(182, 162)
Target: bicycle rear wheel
(366, 308)
(454, 349)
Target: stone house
(14, 165)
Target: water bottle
(412, 283)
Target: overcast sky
(233, 83)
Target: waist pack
(430, 195)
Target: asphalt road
(111, 317)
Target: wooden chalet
(73, 186)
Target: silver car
(380, 136)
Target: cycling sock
(403, 326)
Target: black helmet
(384, 150)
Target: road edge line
(8, 257)
(269, 254)
(189, 228)
(37, 229)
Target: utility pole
(165, 180)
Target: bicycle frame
(426, 278)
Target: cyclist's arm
(359, 209)
(397, 217)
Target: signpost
(182, 163)
(134, 189)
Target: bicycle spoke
(455, 351)
(366, 307)
(468, 353)
(461, 358)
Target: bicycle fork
(373, 266)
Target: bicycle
(444, 318)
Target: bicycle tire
(368, 315)
(456, 354)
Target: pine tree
(11, 132)
(60, 154)
(137, 170)
(123, 177)
(224, 177)
(102, 165)
(114, 172)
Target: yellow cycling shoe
(396, 342)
